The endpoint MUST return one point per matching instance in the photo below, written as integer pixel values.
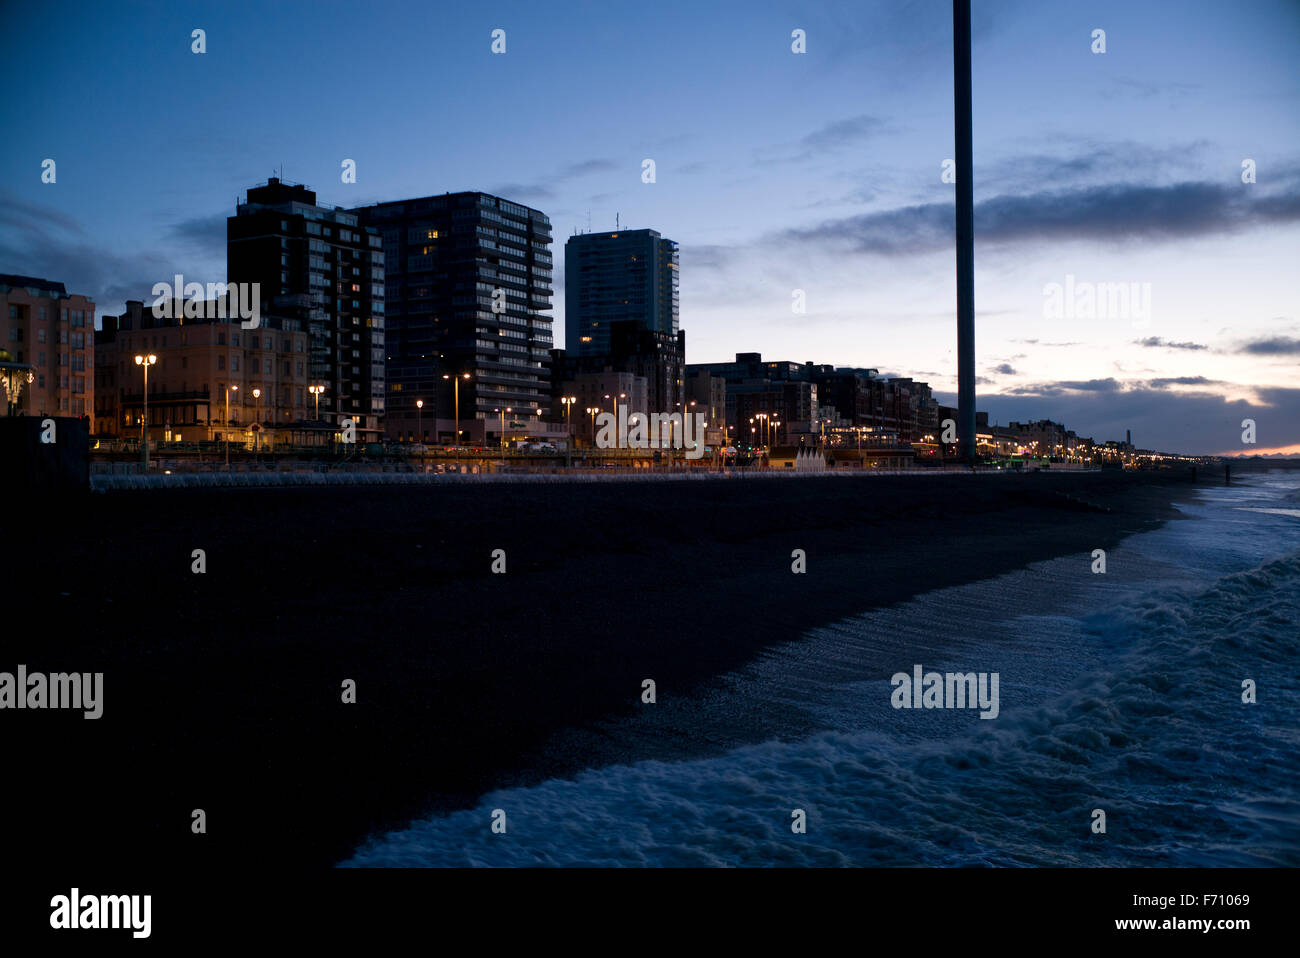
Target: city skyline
(775, 172)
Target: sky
(775, 171)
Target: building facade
(44, 327)
(468, 290)
(622, 276)
(213, 380)
(316, 264)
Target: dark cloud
(43, 242)
(1166, 382)
(546, 189)
(1005, 369)
(1194, 421)
(1155, 342)
(1110, 213)
(841, 133)
(205, 232)
(1274, 346)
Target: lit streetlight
(316, 391)
(144, 362)
(456, 380)
(228, 389)
(257, 412)
(568, 429)
(419, 419)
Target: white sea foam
(1120, 691)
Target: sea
(1162, 693)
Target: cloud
(1197, 421)
(834, 136)
(842, 133)
(1155, 342)
(1109, 214)
(205, 232)
(39, 241)
(1005, 369)
(546, 189)
(1274, 346)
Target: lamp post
(257, 412)
(456, 381)
(503, 424)
(419, 419)
(591, 411)
(236, 389)
(316, 391)
(144, 362)
(568, 429)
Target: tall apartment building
(469, 294)
(41, 325)
(315, 263)
(628, 275)
(205, 366)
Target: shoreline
(222, 691)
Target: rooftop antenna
(588, 221)
(616, 226)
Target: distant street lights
(144, 362)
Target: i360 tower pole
(965, 230)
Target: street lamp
(228, 389)
(457, 380)
(503, 425)
(316, 391)
(419, 419)
(257, 412)
(568, 402)
(591, 411)
(144, 362)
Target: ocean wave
(1157, 736)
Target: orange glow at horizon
(1292, 450)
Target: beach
(224, 690)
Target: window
(221, 363)
(42, 312)
(234, 364)
(221, 339)
(40, 335)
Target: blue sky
(775, 171)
